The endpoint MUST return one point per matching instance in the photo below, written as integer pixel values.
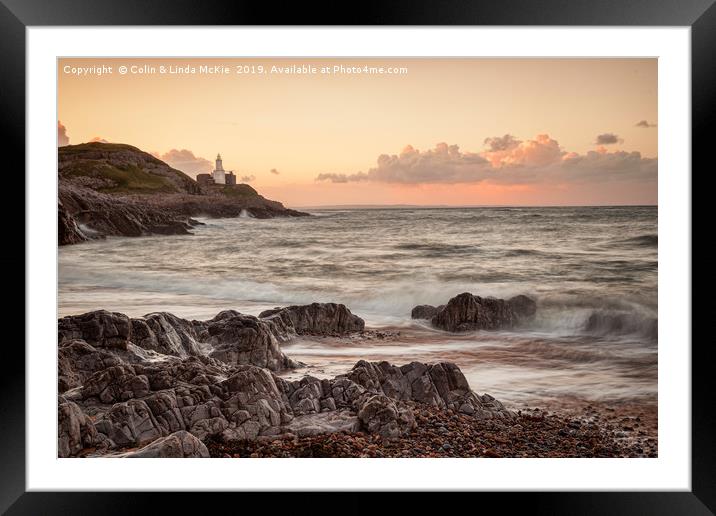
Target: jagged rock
(99, 329)
(116, 383)
(253, 391)
(382, 415)
(242, 339)
(165, 333)
(442, 385)
(118, 395)
(77, 361)
(75, 431)
(467, 312)
(129, 424)
(165, 409)
(314, 319)
(180, 444)
(68, 232)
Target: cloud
(186, 161)
(541, 151)
(502, 143)
(644, 124)
(443, 164)
(608, 139)
(247, 179)
(507, 162)
(274, 171)
(98, 139)
(62, 138)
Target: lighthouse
(219, 174)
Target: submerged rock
(467, 312)
(424, 312)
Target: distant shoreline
(459, 207)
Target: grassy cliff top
(118, 168)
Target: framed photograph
(423, 252)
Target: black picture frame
(17, 15)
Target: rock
(441, 385)
(425, 311)
(467, 312)
(324, 423)
(77, 360)
(129, 424)
(200, 377)
(75, 431)
(315, 319)
(180, 444)
(383, 416)
(99, 329)
(254, 391)
(524, 307)
(166, 334)
(239, 339)
(115, 384)
(68, 232)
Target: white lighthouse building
(219, 173)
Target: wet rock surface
(468, 312)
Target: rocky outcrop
(236, 339)
(313, 319)
(441, 385)
(229, 337)
(167, 334)
(102, 215)
(467, 312)
(118, 190)
(158, 386)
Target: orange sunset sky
(447, 132)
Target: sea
(592, 271)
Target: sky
(441, 131)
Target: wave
(611, 323)
(560, 314)
(647, 240)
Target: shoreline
(598, 432)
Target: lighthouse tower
(219, 173)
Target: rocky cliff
(118, 190)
